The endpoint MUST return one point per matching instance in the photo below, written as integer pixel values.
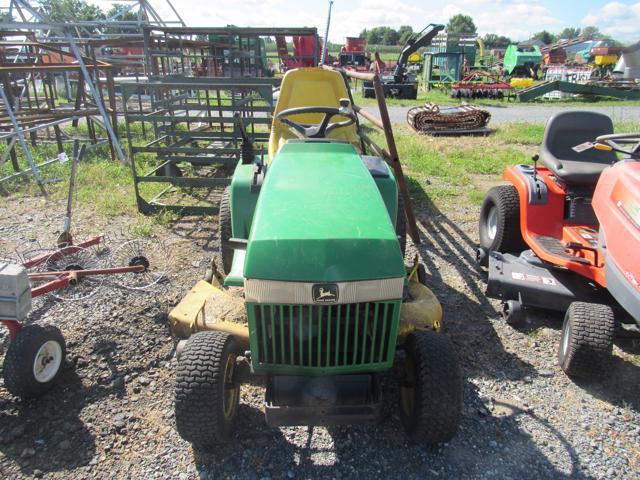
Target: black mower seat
(568, 129)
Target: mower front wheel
(499, 227)
(430, 389)
(207, 395)
(34, 360)
(587, 339)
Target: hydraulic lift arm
(423, 39)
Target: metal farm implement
(73, 272)
(434, 120)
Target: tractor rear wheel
(587, 339)
(34, 360)
(207, 395)
(499, 227)
(225, 252)
(430, 389)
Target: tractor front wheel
(207, 395)
(430, 389)
(499, 227)
(587, 339)
(34, 360)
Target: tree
(5, 17)
(390, 37)
(591, 31)
(491, 40)
(363, 33)
(545, 37)
(405, 32)
(128, 16)
(570, 32)
(461, 24)
(61, 11)
(374, 36)
(382, 35)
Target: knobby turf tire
(508, 237)
(18, 373)
(588, 330)
(199, 404)
(225, 252)
(437, 392)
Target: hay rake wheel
(149, 253)
(63, 272)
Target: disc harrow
(481, 84)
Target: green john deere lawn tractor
(312, 242)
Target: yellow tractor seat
(310, 87)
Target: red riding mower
(565, 236)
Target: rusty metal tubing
(35, 261)
(87, 273)
(395, 161)
(14, 327)
(369, 116)
(384, 123)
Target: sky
(517, 19)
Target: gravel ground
(517, 113)
(111, 416)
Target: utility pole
(326, 35)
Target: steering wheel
(317, 130)
(618, 141)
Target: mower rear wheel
(225, 253)
(34, 360)
(587, 339)
(430, 389)
(207, 395)
(499, 227)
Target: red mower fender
(538, 219)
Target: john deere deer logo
(325, 293)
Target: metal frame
(195, 136)
(217, 51)
(45, 52)
(200, 79)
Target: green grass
(447, 171)
(441, 172)
(103, 184)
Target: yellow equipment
(522, 82)
(306, 87)
(605, 59)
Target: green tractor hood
(320, 218)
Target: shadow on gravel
(621, 385)
(199, 229)
(496, 445)
(448, 254)
(46, 434)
